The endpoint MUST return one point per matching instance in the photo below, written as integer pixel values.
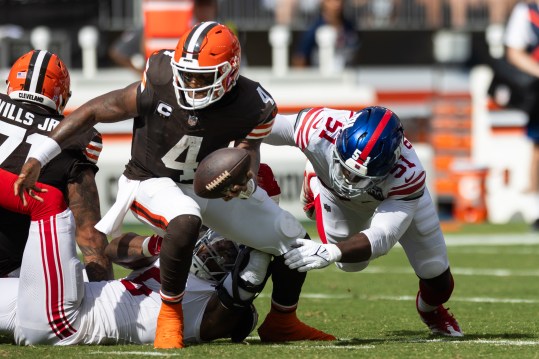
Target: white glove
(308, 255)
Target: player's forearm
(114, 106)
(83, 201)
(98, 265)
(355, 249)
(254, 151)
(127, 251)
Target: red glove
(266, 180)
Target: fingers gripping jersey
(315, 131)
(169, 141)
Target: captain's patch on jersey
(163, 109)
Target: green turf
(373, 313)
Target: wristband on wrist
(151, 246)
(251, 187)
(45, 151)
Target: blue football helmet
(365, 150)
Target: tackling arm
(84, 203)
(282, 132)
(113, 106)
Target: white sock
(424, 307)
(244, 295)
(255, 271)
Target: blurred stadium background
(416, 57)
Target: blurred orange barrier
(165, 22)
(470, 197)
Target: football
(221, 169)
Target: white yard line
(495, 272)
(141, 353)
(412, 298)
(492, 239)
(351, 346)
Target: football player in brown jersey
(38, 88)
(190, 102)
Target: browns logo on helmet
(205, 65)
(40, 77)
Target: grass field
(496, 301)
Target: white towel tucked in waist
(112, 221)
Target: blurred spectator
(378, 13)
(497, 10)
(347, 44)
(286, 10)
(433, 12)
(128, 50)
(522, 44)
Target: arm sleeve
(389, 222)
(282, 133)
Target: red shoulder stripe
(302, 136)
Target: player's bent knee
(352, 267)
(183, 226)
(431, 269)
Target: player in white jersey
(64, 310)
(366, 188)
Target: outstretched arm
(114, 106)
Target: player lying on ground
(366, 189)
(67, 311)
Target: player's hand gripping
(308, 255)
(27, 181)
(244, 190)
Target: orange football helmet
(41, 77)
(205, 65)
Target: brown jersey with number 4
(169, 141)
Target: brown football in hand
(221, 169)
